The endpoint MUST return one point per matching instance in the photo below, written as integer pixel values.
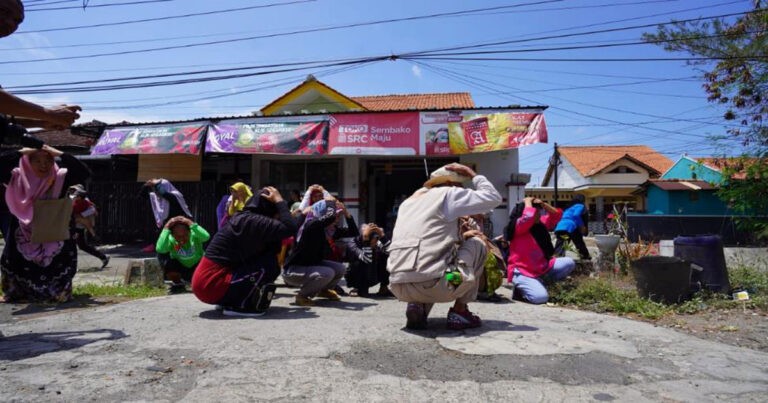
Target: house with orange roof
(607, 175)
(371, 176)
(372, 186)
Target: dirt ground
(735, 327)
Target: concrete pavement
(175, 348)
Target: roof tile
(590, 160)
(449, 100)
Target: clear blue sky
(656, 103)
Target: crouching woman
(240, 264)
(180, 248)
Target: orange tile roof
(718, 164)
(448, 100)
(590, 160)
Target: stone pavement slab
(175, 348)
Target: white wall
(351, 185)
(496, 166)
(621, 179)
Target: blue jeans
(533, 290)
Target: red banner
(374, 134)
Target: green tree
(733, 57)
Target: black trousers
(578, 241)
(82, 243)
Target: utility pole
(555, 163)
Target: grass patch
(618, 295)
(118, 290)
(606, 295)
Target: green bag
(493, 276)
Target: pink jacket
(524, 254)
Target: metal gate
(125, 215)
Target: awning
(167, 139)
(430, 133)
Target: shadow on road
(28, 345)
(79, 301)
(436, 327)
(275, 312)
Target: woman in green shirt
(182, 240)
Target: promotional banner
(269, 136)
(169, 139)
(434, 131)
(477, 132)
(374, 134)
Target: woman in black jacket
(367, 256)
(240, 263)
(309, 264)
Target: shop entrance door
(392, 181)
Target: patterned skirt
(25, 281)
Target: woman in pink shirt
(531, 263)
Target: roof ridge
(407, 95)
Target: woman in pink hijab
(31, 271)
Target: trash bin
(707, 252)
(664, 279)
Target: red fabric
(80, 204)
(524, 253)
(210, 281)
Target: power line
(191, 80)
(230, 10)
(345, 26)
(464, 79)
(93, 6)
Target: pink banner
(374, 134)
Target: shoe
(149, 248)
(177, 288)
(416, 316)
(261, 304)
(339, 290)
(462, 320)
(329, 295)
(304, 301)
(247, 313)
(384, 293)
(104, 262)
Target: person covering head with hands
(530, 263)
(310, 264)
(182, 239)
(240, 266)
(427, 243)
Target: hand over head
(461, 169)
(271, 194)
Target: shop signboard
(374, 134)
(166, 139)
(297, 135)
(480, 132)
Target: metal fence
(126, 216)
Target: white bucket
(667, 248)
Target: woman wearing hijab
(239, 193)
(314, 194)
(309, 265)
(240, 263)
(31, 271)
(531, 263)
